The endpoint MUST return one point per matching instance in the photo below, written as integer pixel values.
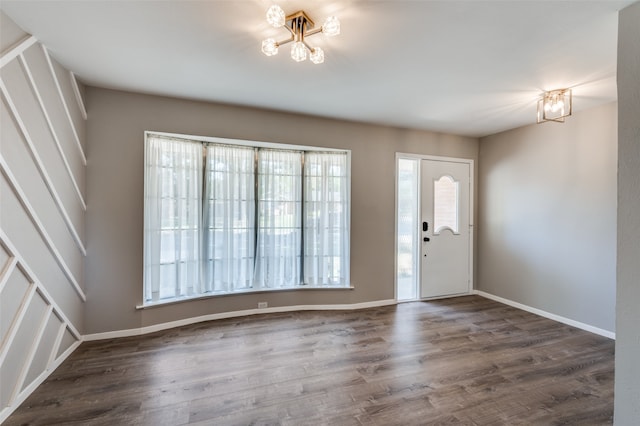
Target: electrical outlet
(262, 305)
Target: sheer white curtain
(229, 211)
(279, 219)
(172, 217)
(326, 214)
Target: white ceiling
(464, 67)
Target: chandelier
(300, 26)
(554, 105)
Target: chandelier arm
(292, 32)
(311, 49)
(289, 40)
(312, 32)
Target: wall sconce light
(299, 25)
(554, 105)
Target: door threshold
(448, 296)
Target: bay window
(223, 217)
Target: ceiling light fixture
(555, 105)
(299, 26)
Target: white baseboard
(233, 314)
(564, 320)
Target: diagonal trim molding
(17, 50)
(22, 198)
(35, 289)
(63, 156)
(64, 104)
(76, 92)
(37, 159)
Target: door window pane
(445, 205)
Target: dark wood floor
(466, 360)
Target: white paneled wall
(42, 214)
(36, 334)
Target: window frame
(256, 145)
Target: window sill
(161, 303)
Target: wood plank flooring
(467, 360)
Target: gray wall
(627, 402)
(42, 176)
(115, 129)
(547, 216)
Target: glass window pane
(229, 228)
(280, 219)
(407, 229)
(172, 213)
(326, 219)
(445, 205)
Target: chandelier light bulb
(269, 47)
(317, 55)
(298, 51)
(275, 16)
(331, 26)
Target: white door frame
(409, 156)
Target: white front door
(445, 232)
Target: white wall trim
(26, 366)
(234, 314)
(67, 220)
(16, 50)
(6, 271)
(64, 103)
(17, 320)
(22, 396)
(22, 197)
(31, 276)
(34, 153)
(56, 344)
(76, 91)
(56, 139)
(35, 286)
(558, 318)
